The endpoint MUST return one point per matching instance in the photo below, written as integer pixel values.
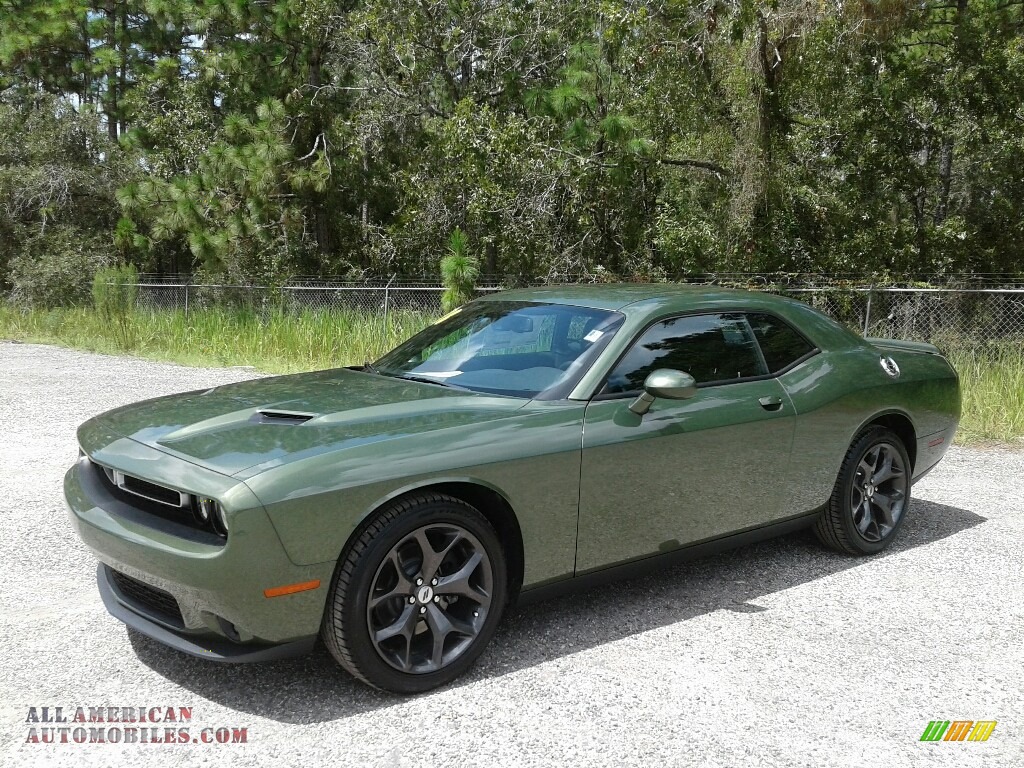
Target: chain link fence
(948, 317)
(308, 295)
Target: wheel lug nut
(476, 614)
(419, 582)
(433, 582)
(412, 600)
(437, 599)
(423, 609)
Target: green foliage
(459, 272)
(114, 291)
(577, 139)
(57, 203)
(237, 212)
(55, 268)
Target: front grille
(142, 496)
(145, 489)
(151, 491)
(156, 600)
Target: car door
(687, 470)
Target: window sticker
(439, 374)
(593, 336)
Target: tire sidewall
(360, 646)
(865, 443)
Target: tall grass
(275, 342)
(992, 391)
(991, 377)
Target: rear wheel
(417, 596)
(871, 496)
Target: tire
(871, 496)
(391, 600)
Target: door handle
(771, 403)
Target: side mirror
(666, 383)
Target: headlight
(210, 514)
(220, 520)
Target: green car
(531, 441)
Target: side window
(716, 348)
(780, 344)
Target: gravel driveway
(775, 654)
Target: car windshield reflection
(520, 349)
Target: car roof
(638, 296)
(642, 302)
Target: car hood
(275, 420)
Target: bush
(54, 269)
(459, 272)
(114, 291)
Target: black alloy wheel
(871, 495)
(879, 491)
(430, 598)
(417, 595)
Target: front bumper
(204, 646)
(217, 609)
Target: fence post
(867, 312)
(186, 296)
(386, 297)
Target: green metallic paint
(836, 395)
(215, 428)
(207, 580)
(687, 471)
(684, 472)
(531, 457)
(106, 447)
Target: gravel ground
(775, 654)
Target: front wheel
(871, 496)
(417, 596)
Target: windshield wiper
(424, 380)
(371, 368)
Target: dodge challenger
(529, 442)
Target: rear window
(781, 345)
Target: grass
(992, 387)
(991, 377)
(275, 342)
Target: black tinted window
(708, 347)
(780, 344)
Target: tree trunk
(945, 174)
(322, 229)
(87, 94)
(365, 207)
(491, 258)
(110, 93)
(123, 48)
(920, 200)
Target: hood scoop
(281, 417)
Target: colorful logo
(958, 730)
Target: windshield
(513, 348)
